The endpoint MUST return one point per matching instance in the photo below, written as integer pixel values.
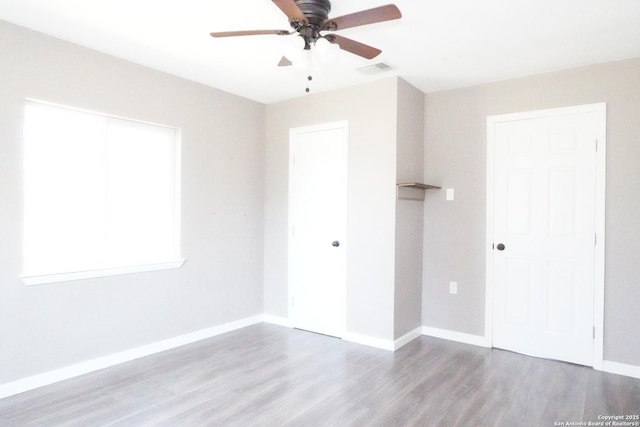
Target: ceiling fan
(309, 18)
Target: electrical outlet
(453, 288)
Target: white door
(544, 234)
(317, 227)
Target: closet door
(317, 227)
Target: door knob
(500, 246)
(335, 243)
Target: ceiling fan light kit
(309, 18)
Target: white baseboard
(456, 336)
(382, 343)
(407, 338)
(357, 338)
(277, 320)
(621, 369)
(607, 365)
(46, 378)
(369, 341)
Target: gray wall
(455, 155)
(52, 326)
(227, 169)
(409, 213)
(371, 112)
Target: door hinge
(595, 239)
(594, 332)
(292, 301)
(596, 145)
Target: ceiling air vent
(380, 67)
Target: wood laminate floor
(267, 375)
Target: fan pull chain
(309, 67)
(309, 78)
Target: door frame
(600, 172)
(344, 125)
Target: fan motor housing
(316, 11)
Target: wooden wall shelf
(416, 186)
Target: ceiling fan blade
(353, 46)
(369, 16)
(250, 33)
(284, 62)
(291, 9)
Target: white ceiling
(437, 45)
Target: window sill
(89, 274)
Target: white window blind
(100, 193)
